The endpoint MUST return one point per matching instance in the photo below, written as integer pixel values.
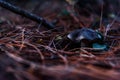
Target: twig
(109, 25)
(101, 16)
(26, 14)
(41, 55)
(88, 53)
(23, 37)
(56, 52)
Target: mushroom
(86, 37)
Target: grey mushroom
(85, 34)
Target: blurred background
(29, 51)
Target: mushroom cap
(84, 34)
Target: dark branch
(26, 14)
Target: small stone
(99, 46)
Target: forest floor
(29, 51)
